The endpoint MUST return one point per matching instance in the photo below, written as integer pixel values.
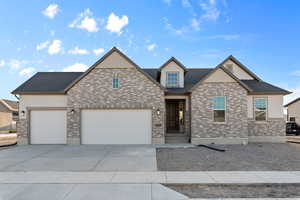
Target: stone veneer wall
(204, 129)
(271, 127)
(95, 91)
(22, 131)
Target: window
(115, 82)
(172, 79)
(292, 119)
(260, 109)
(219, 106)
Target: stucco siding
(6, 122)
(238, 71)
(219, 76)
(274, 106)
(28, 101)
(172, 67)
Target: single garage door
(116, 126)
(48, 127)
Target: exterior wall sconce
(72, 111)
(23, 113)
(158, 111)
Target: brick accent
(203, 125)
(271, 127)
(136, 92)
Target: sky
(61, 35)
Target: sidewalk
(236, 177)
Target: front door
(172, 116)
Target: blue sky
(72, 35)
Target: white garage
(116, 126)
(48, 127)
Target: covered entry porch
(177, 120)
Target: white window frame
(172, 72)
(225, 110)
(254, 109)
(112, 82)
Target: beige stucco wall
(40, 101)
(274, 105)
(6, 121)
(219, 76)
(114, 60)
(237, 71)
(172, 67)
(294, 111)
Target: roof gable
(125, 61)
(10, 105)
(173, 59)
(216, 70)
(242, 67)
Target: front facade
(8, 115)
(117, 102)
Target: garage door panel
(48, 127)
(116, 126)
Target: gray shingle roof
(47, 82)
(13, 104)
(57, 82)
(261, 87)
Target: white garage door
(116, 126)
(48, 127)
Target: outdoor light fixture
(72, 111)
(158, 111)
(23, 113)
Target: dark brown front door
(172, 116)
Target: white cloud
(55, 47)
(79, 51)
(176, 31)
(211, 12)
(77, 67)
(167, 1)
(85, 21)
(2, 63)
(51, 11)
(27, 71)
(151, 47)
(225, 37)
(115, 23)
(16, 64)
(42, 45)
(186, 3)
(98, 51)
(195, 24)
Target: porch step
(176, 140)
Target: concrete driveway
(78, 158)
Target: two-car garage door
(116, 127)
(97, 127)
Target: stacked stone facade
(204, 129)
(136, 91)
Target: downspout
(190, 116)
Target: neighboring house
(117, 102)
(293, 111)
(8, 114)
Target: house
(8, 114)
(293, 111)
(117, 102)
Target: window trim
(254, 108)
(173, 86)
(225, 110)
(112, 82)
